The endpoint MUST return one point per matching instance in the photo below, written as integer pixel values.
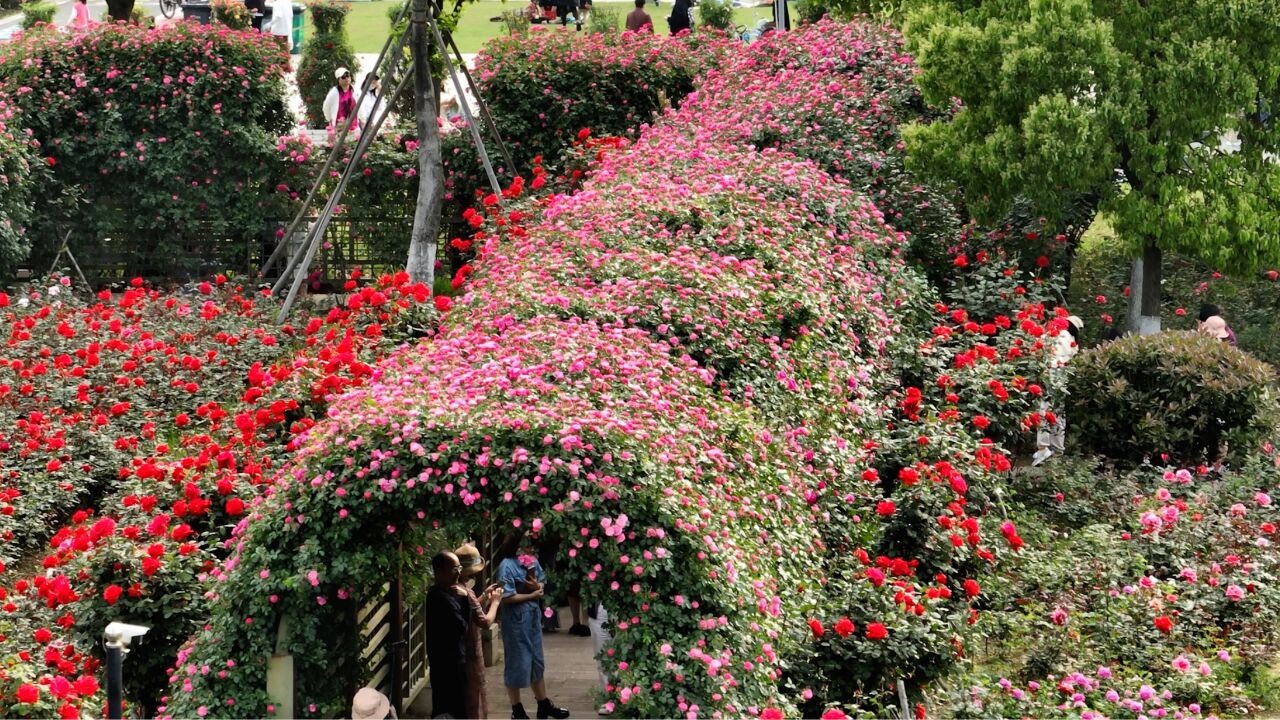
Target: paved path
(571, 676)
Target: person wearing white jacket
(1051, 439)
(282, 22)
(373, 91)
(340, 103)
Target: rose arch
(686, 369)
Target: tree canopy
(1136, 101)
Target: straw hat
(369, 704)
(470, 558)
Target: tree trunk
(1144, 292)
(120, 10)
(426, 216)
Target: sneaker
(546, 710)
(1040, 456)
(580, 631)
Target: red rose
(817, 628)
(844, 628)
(1164, 624)
(150, 566)
(876, 631)
(771, 714)
(43, 635)
(908, 476)
(68, 712)
(235, 506)
(885, 508)
(29, 693)
(971, 588)
(834, 714)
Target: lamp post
(116, 639)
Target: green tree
(1126, 99)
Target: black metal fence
(373, 244)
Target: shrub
(603, 21)
(232, 13)
(162, 142)
(18, 162)
(1178, 394)
(35, 13)
(716, 14)
(326, 51)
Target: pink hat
(1216, 327)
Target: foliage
(329, 16)
(326, 51)
(716, 14)
(516, 21)
(603, 21)
(821, 113)
(1178, 395)
(187, 154)
(1083, 88)
(233, 14)
(35, 13)
(19, 162)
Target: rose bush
(18, 163)
(208, 394)
(164, 133)
(326, 51)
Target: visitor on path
(372, 91)
(638, 20)
(1051, 437)
(340, 103)
(80, 18)
(522, 578)
(598, 619)
(484, 610)
(449, 614)
(1212, 323)
(282, 23)
(681, 17)
(369, 704)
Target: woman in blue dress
(522, 580)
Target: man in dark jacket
(448, 622)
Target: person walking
(522, 578)
(681, 17)
(340, 103)
(638, 20)
(1051, 437)
(80, 20)
(282, 22)
(372, 93)
(484, 610)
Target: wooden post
(396, 644)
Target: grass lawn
(367, 24)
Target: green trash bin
(299, 20)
